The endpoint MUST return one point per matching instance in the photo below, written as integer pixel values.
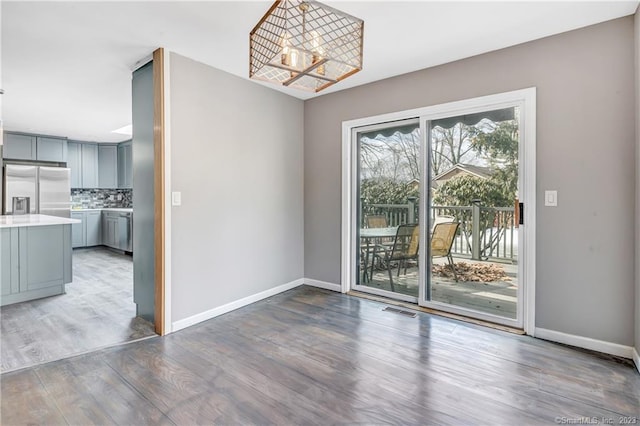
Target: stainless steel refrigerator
(48, 188)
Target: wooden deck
(315, 357)
(496, 297)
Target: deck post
(411, 205)
(475, 229)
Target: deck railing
(485, 233)
(397, 214)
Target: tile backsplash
(99, 198)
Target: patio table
(369, 235)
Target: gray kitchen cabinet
(82, 159)
(125, 165)
(107, 166)
(9, 261)
(110, 231)
(74, 162)
(89, 165)
(44, 261)
(31, 147)
(19, 147)
(35, 261)
(121, 155)
(78, 237)
(93, 228)
(51, 149)
(88, 233)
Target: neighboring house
(414, 183)
(462, 169)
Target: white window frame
(525, 99)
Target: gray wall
(585, 137)
(237, 158)
(637, 276)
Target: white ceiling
(66, 66)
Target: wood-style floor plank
(97, 310)
(310, 356)
(24, 400)
(105, 398)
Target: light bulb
(293, 58)
(318, 51)
(286, 50)
(316, 41)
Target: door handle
(521, 211)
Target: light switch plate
(176, 198)
(551, 198)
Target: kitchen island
(35, 257)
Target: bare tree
(395, 157)
(450, 147)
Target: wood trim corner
(158, 185)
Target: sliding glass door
(387, 194)
(473, 202)
(435, 211)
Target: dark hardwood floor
(96, 311)
(310, 356)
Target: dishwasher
(125, 230)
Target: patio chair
(442, 241)
(441, 219)
(376, 221)
(404, 248)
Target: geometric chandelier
(306, 45)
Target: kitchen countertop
(119, 209)
(114, 209)
(18, 221)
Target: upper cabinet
(125, 165)
(19, 147)
(74, 162)
(82, 159)
(36, 148)
(92, 165)
(51, 149)
(89, 165)
(107, 166)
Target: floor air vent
(400, 312)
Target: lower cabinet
(78, 238)
(110, 229)
(35, 262)
(93, 228)
(89, 232)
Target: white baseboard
(323, 284)
(585, 342)
(636, 359)
(212, 313)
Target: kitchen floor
(96, 311)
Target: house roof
(479, 171)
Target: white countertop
(119, 209)
(114, 209)
(34, 220)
